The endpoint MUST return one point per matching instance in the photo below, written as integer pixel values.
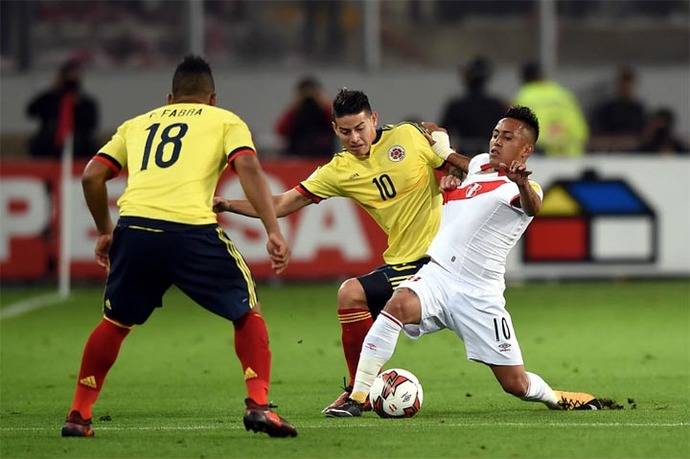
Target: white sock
(377, 349)
(539, 391)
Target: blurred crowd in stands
(134, 34)
(620, 123)
(149, 33)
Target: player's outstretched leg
(100, 353)
(355, 321)
(531, 387)
(251, 346)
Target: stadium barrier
(603, 216)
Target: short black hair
(350, 102)
(527, 116)
(193, 77)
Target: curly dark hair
(350, 102)
(192, 77)
(527, 116)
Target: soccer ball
(396, 393)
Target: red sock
(251, 346)
(355, 324)
(100, 352)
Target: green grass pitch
(177, 389)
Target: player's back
(174, 156)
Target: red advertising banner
(332, 239)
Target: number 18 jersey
(395, 184)
(174, 156)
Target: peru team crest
(396, 153)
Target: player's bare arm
(440, 144)
(96, 194)
(256, 189)
(530, 201)
(284, 204)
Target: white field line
(22, 307)
(384, 424)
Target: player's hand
(103, 243)
(517, 172)
(220, 205)
(438, 140)
(430, 127)
(279, 251)
(449, 182)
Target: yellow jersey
(174, 156)
(395, 184)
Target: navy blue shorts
(379, 284)
(148, 256)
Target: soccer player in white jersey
(461, 288)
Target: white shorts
(479, 319)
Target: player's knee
(351, 295)
(400, 307)
(516, 386)
(395, 308)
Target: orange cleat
(260, 418)
(576, 401)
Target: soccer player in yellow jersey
(389, 172)
(167, 235)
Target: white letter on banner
(30, 222)
(248, 233)
(332, 224)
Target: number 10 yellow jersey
(395, 184)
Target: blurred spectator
(658, 136)
(564, 130)
(53, 108)
(469, 119)
(306, 124)
(623, 114)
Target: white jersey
(481, 221)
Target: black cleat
(76, 426)
(260, 418)
(349, 409)
(343, 398)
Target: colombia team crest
(396, 153)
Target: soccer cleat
(76, 426)
(343, 398)
(260, 418)
(576, 401)
(349, 409)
